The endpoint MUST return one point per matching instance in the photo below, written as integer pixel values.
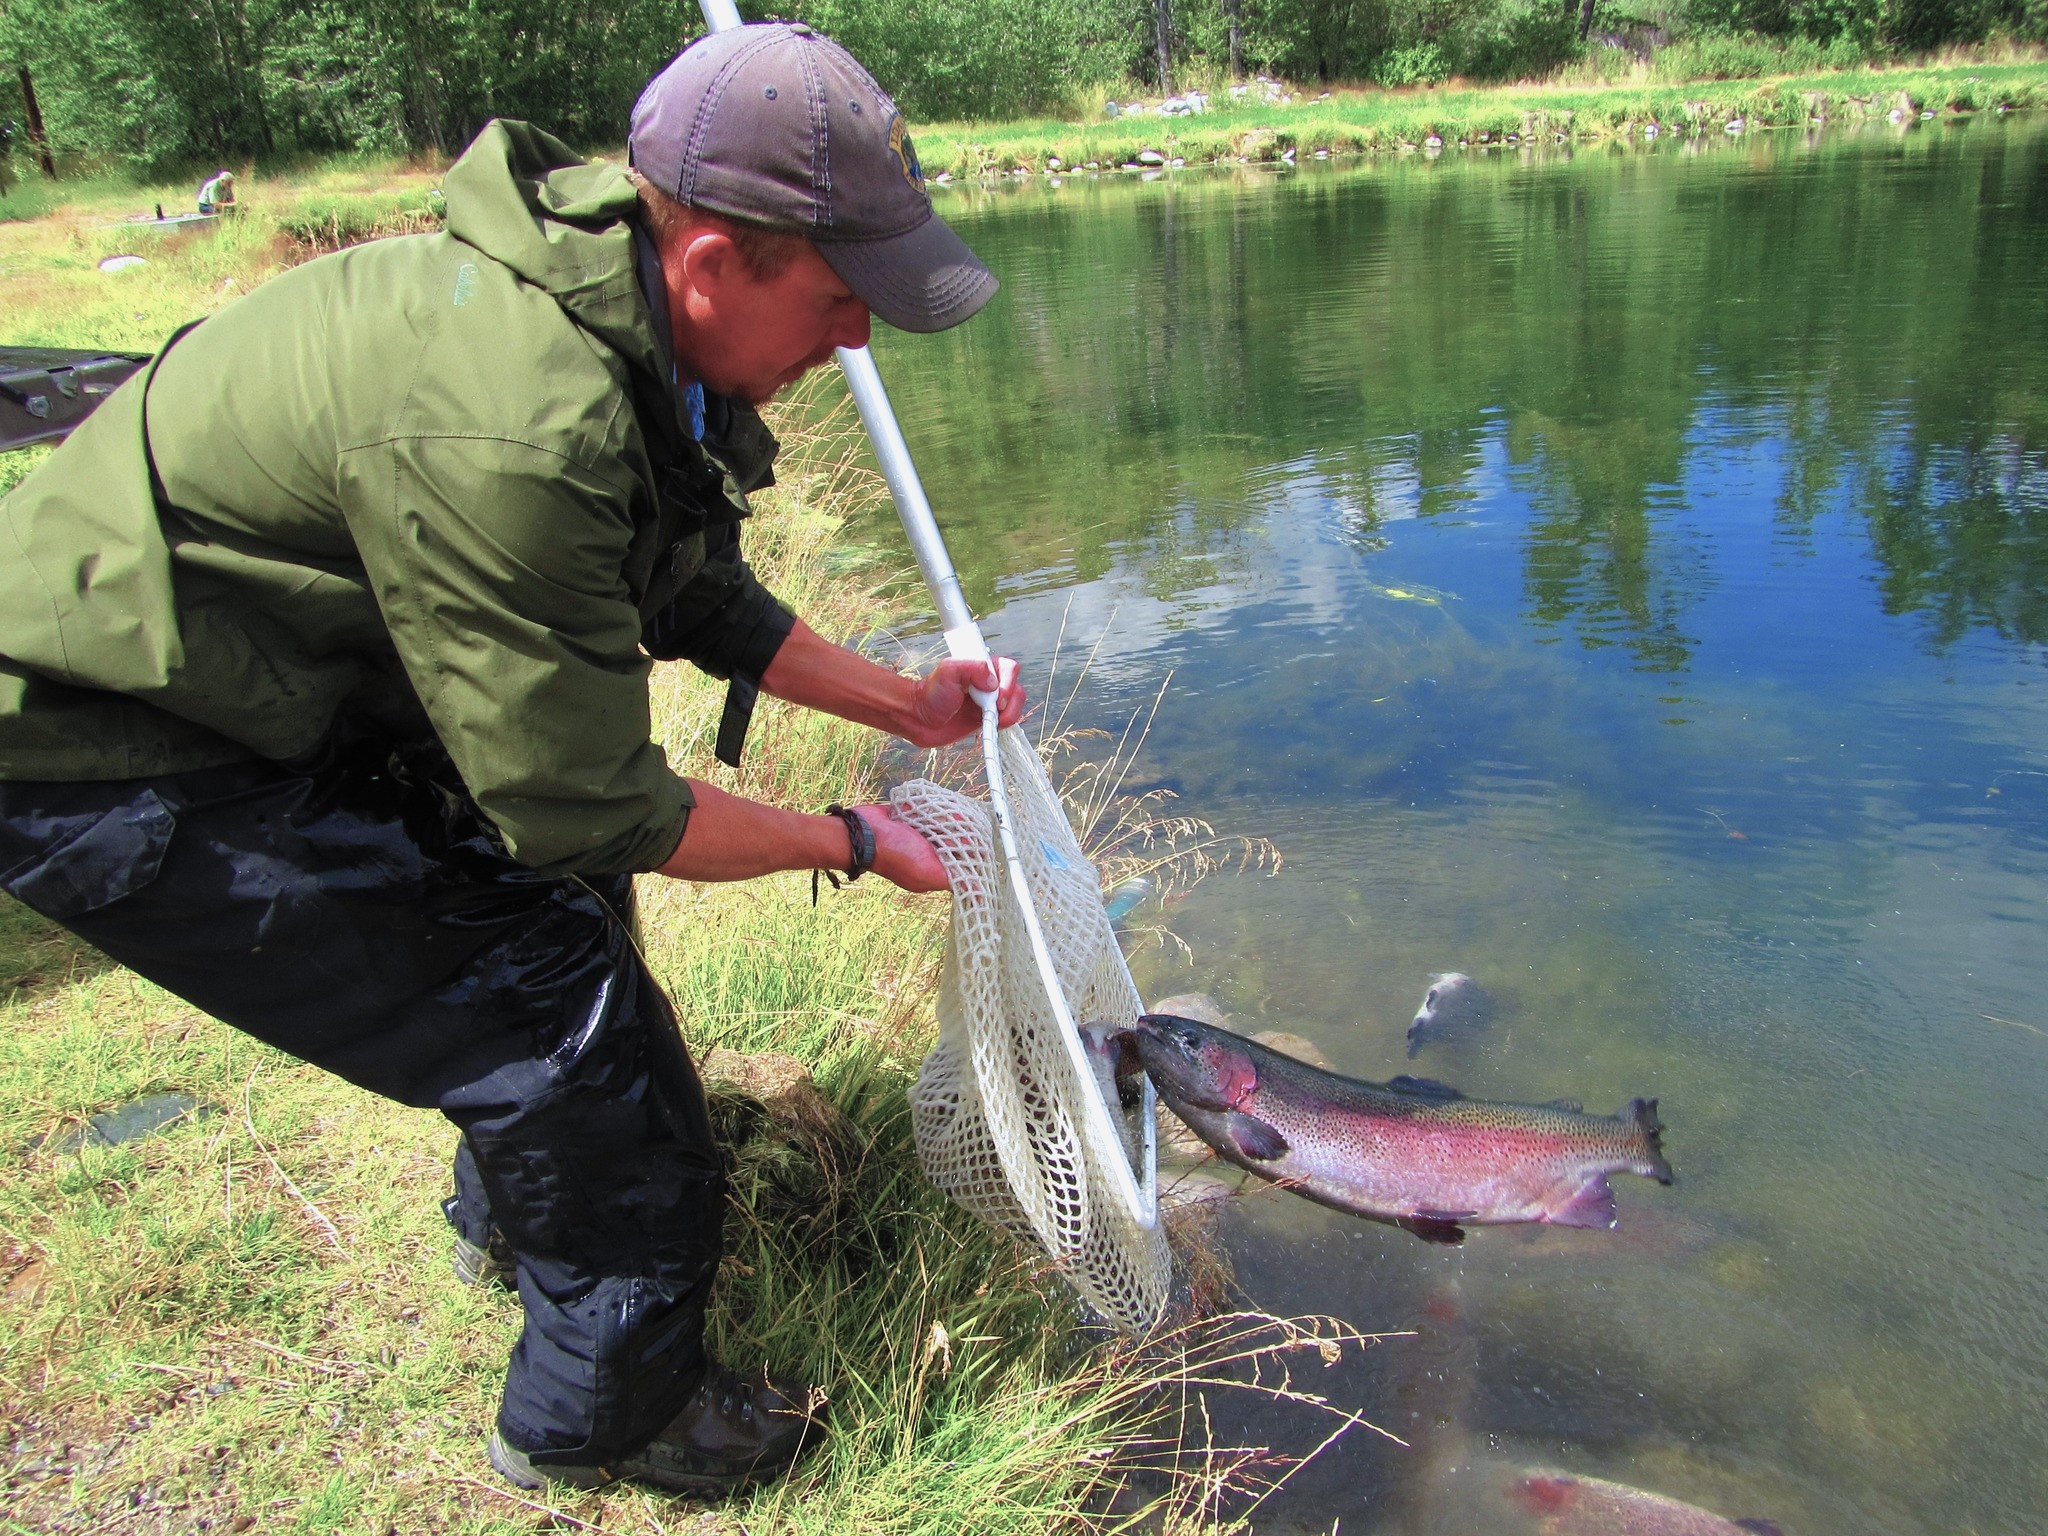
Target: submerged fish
(1587, 1506)
(1453, 999)
(1412, 1152)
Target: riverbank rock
(1199, 1006)
(779, 1086)
(792, 1159)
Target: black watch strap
(860, 838)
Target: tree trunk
(1585, 18)
(1233, 11)
(1162, 31)
(230, 97)
(421, 57)
(38, 140)
(252, 75)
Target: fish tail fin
(1644, 1113)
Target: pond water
(1623, 577)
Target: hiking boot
(734, 1432)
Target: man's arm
(728, 838)
(926, 712)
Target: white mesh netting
(997, 1109)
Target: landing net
(1011, 1119)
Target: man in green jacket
(324, 649)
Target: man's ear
(711, 262)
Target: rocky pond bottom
(1621, 579)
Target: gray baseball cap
(777, 126)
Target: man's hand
(942, 711)
(902, 856)
(931, 711)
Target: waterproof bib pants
(359, 915)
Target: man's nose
(850, 327)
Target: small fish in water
(1587, 1506)
(1411, 1152)
(1127, 898)
(1453, 999)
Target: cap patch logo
(905, 152)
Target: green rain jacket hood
(404, 489)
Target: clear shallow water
(1718, 752)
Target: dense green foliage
(230, 78)
(1905, 24)
(227, 80)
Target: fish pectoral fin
(1423, 1087)
(1590, 1205)
(1435, 1226)
(1254, 1138)
(1761, 1527)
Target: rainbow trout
(1411, 1152)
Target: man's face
(739, 334)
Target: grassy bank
(1359, 121)
(248, 1322)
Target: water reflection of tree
(1872, 307)
(1591, 556)
(1962, 535)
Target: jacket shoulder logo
(465, 283)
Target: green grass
(249, 1322)
(1366, 121)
